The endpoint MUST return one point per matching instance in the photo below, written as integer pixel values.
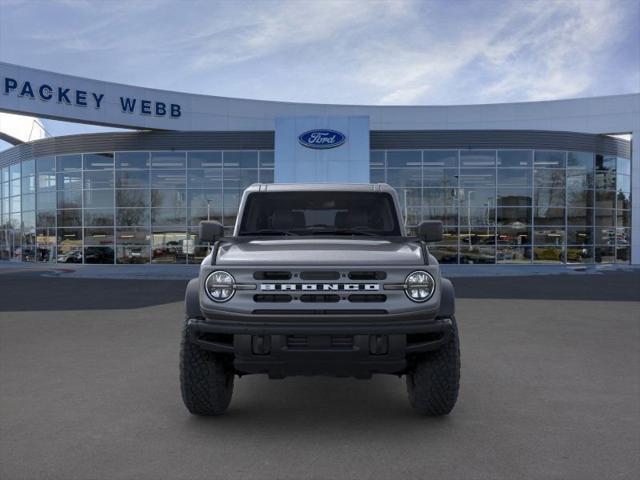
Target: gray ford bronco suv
(319, 279)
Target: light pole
(487, 214)
(469, 217)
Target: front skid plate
(340, 355)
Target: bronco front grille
(319, 298)
(268, 298)
(320, 275)
(306, 286)
(373, 275)
(359, 298)
(272, 275)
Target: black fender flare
(192, 299)
(447, 299)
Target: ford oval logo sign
(322, 138)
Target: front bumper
(333, 325)
(300, 347)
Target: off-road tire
(206, 378)
(433, 379)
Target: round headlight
(419, 286)
(220, 286)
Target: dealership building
(515, 183)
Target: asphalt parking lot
(550, 389)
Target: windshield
(320, 213)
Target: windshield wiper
(270, 231)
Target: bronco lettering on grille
(324, 287)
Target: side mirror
(210, 231)
(430, 231)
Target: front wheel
(433, 380)
(206, 378)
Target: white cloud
(386, 52)
(532, 51)
(553, 55)
(404, 95)
(267, 31)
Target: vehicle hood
(314, 251)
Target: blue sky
(361, 52)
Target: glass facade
(515, 206)
(122, 207)
(497, 206)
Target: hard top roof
(320, 187)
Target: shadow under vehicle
(98, 255)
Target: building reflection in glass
(497, 206)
